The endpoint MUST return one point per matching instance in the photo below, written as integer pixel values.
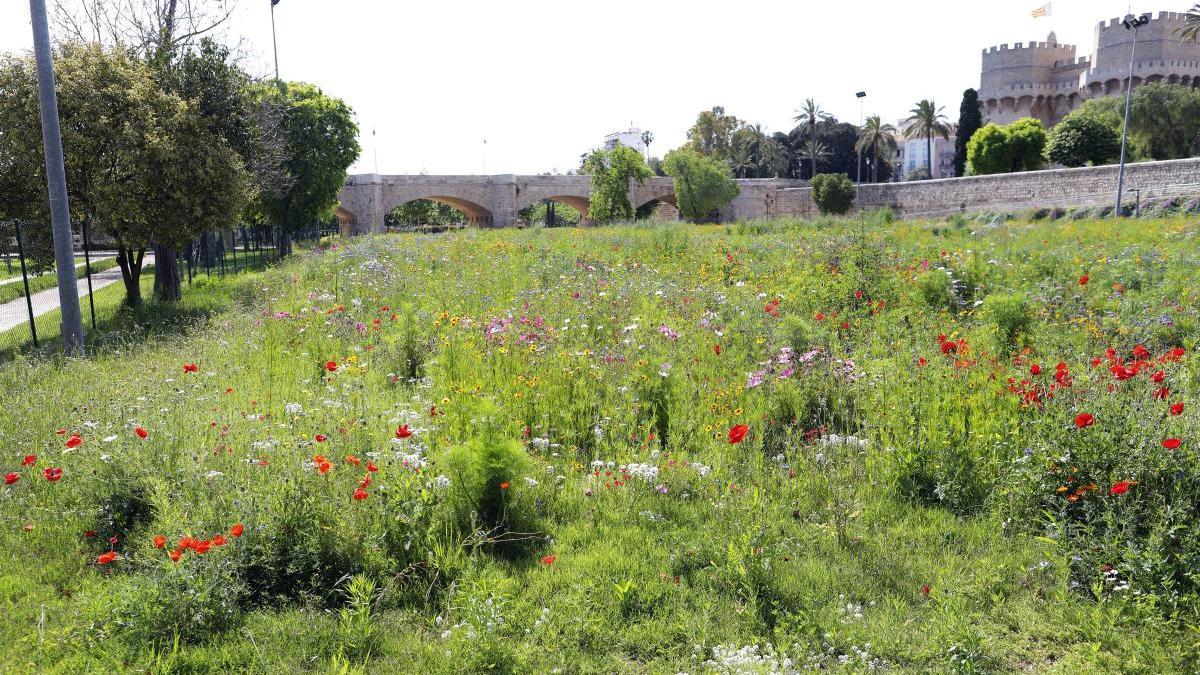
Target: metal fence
(29, 302)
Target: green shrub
(935, 289)
(1010, 315)
(833, 193)
(485, 476)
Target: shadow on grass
(119, 326)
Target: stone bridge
(493, 201)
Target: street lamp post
(1132, 24)
(857, 185)
(274, 45)
(56, 183)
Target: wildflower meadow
(838, 445)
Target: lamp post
(56, 184)
(857, 185)
(274, 46)
(1132, 24)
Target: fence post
(189, 262)
(87, 262)
(221, 250)
(233, 252)
(25, 278)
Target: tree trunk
(929, 153)
(131, 272)
(167, 286)
(285, 243)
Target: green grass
(12, 291)
(896, 504)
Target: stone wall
(1087, 186)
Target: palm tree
(647, 139)
(741, 157)
(813, 150)
(876, 136)
(926, 120)
(773, 158)
(808, 116)
(1191, 25)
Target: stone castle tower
(1046, 80)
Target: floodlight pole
(274, 44)
(1133, 25)
(56, 183)
(858, 184)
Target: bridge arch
(477, 214)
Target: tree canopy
(969, 121)
(612, 171)
(1019, 146)
(1082, 138)
(702, 184)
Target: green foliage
(613, 172)
(1083, 139)
(485, 475)
(1019, 146)
(833, 193)
(423, 212)
(1027, 138)
(320, 137)
(935, 289)
(969, 121)
(357, 631)
(554, 214)
(702, 185)
(712, 134)
(989, 151)
(1010, 315)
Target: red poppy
(549, 559)
(324, 467)
(141, 433)
(190, 368)
(1161, 394)
(403, 431)
(160, 541)
(1083, 280)
(819, 316)
(218, 540)
(1083, 420)
(202, 547)
(921, 361)
(331, 366)
(74, 441)
(737, 433)
(320, 438)
(89, 534)
(1177, 409)
(106, 558)
(176, 555)
(925, 590)
(858, 295)
(1172, 443)
(1120, 488)
(29, 460)
(61, 432)
(11, 477)
(371, 466)
(351, 459)
(717, 349)
(237, 530)
(52, 474)
(360, 494)
(1035, 369)
(1158, 377)
(504, 485)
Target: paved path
(15, 312)
(17, 279)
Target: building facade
(912, 154)
(1047, 80)
(630, 138)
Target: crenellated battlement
(1032, 46)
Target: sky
(543, 81)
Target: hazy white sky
(544, 80)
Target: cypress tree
(969, 121)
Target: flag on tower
(1044, 10)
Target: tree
(808, 116)
(712, 134)
(1165, 120)
(1027, 138)
(612, 171)
(702, 184)
(159, 175)
(647, 139)
(833, 193)
(877, 137)
(969, 121)
(926, 119)
(321, 143)
(423, 212)
(773, 158)
(1082, 139)
(1191, 25)
(814, 151)
(989, 152)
